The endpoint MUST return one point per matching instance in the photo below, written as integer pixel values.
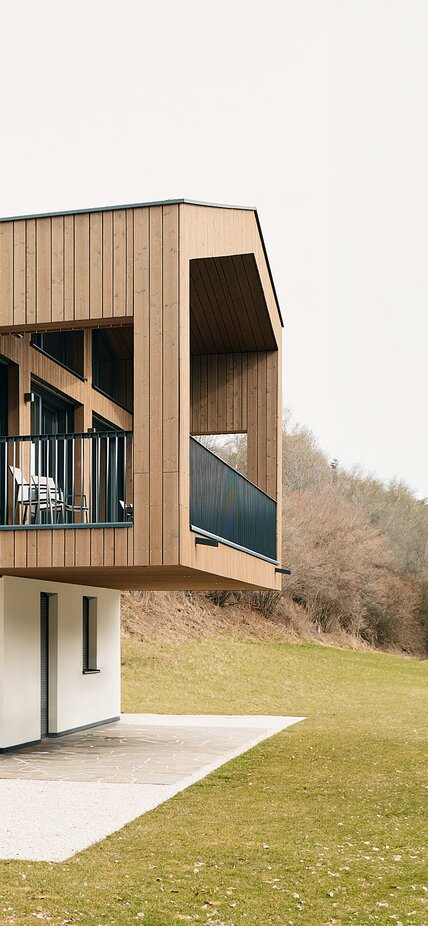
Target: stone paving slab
(60, 796)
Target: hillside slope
(180, 616)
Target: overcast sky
(315, 111)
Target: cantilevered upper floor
(128, 335)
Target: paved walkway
(60, 796)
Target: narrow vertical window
(89, 648)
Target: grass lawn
(323, 824)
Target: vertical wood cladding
(156, 387)
(67, 268)
(238, 392)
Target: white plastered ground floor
(75, 699)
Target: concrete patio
(60, 796)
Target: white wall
(75, 699)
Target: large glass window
(65, 347)
(112, 363)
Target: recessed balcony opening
(233, 405)
(69, 465)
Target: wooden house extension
(128, 336)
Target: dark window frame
(89, 635)
(46, 353)
(110, 390)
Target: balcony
(227, 507)
(66, 480)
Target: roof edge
(159, 202)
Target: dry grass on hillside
(151, 616)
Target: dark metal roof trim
(160, 202)
(268, 267)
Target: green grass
(323, 824)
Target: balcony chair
(42, 494)
(51, 496)
(127, 510)
(22, 493)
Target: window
(65, 347)
(90, 634)
(112, 363)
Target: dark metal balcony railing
(227, 507)
(66, 480)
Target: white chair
(45, 496)
(22, 493)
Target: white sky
(315, 111)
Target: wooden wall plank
(82, 547)
(20, 552)
(97, 547)
(212, 413)
(6, 272)
(170, 539)
(120, 546)
(7, 549)
(69, 557)
(57, 231)
(107, 264)
(129, 262)
(229, 394)
(203, 415)
(30, 274)
(271, 423)
(44, 270)
(195, 410)
(19, 280)
(69, 282)
(221, 387)
(119, 263)
(31, 549)
(81, 270)
(43, 548)
(130, 540)
(58, 548)
(244, 392)
(237, 392)
(96, 265)
(108, 545)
